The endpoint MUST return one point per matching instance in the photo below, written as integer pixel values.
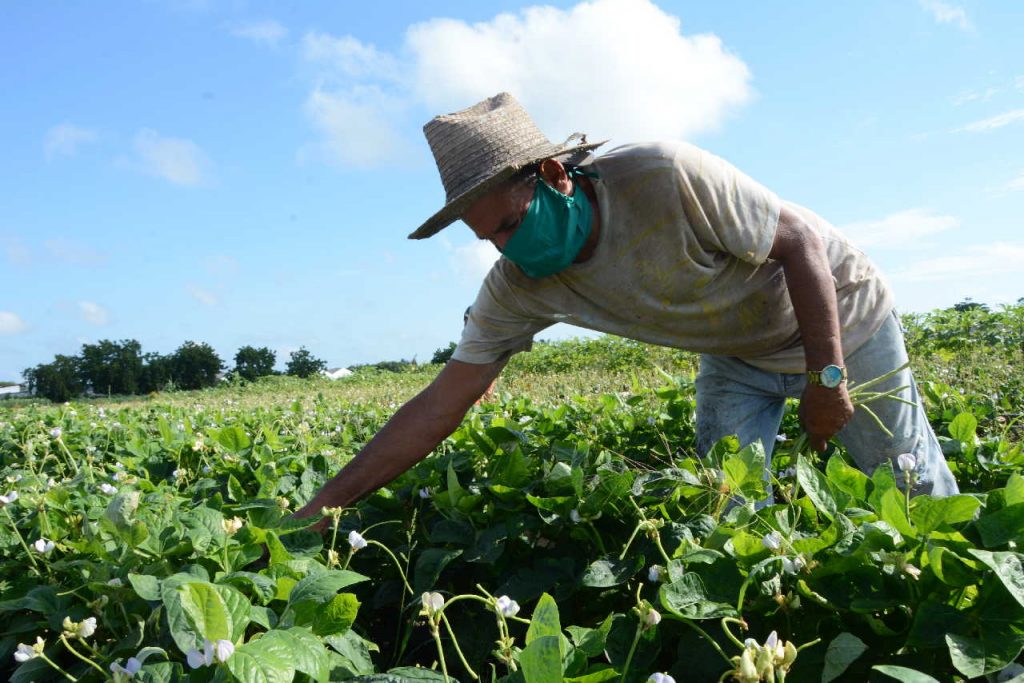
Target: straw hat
(477, 148)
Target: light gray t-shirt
(681, 261)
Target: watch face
(831, 376)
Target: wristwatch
(830, 376)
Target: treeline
(111, 367)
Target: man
(667, 244)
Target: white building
(337, 373)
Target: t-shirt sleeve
(497, 327)
(728, 210)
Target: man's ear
(554, 174)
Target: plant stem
(632, 650)
(21, 538)
(440, 650)
(398, 565)
(458, 650)
(78, 654)
(53, 664)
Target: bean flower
(9, 498)
(218, 651)
(772, 541)
(506, 606)
(108, 489)
(660, 678)
(27, 652)
(432, 603)
(231, 526)
(56, 432)
(356, 540)
(43, 546)
(126, 672)
(907, 462)
(654, 573)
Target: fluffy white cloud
(1015, 185)
(11, 324)
(203, 296)
(265, 32)
(611, 68)
(65, 139)
(993, 122)
(946, 13)
(357, 125)
(975, 263)
(620, 69)
(899, 230)
(74, 253)
(92, 312)
(176, 160)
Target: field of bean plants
(567, 531)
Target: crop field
(567, 531)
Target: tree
(194, 366)
(251, 362)
(304, 364)
(156, 373)
(444, 355)
(58, 381)
(109, 367)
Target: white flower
(198, 445)
(772, 640)
(793, 566)
(116, 582)
(87, 627)
(50, 483)
(356, 540)
(108, 489)
(907, 462)
(124, 673)
(780, 438)
(231, 526)
(432, 603)
(424, 493)
(506, 606)
(652, 617)
(9, 498)
(223, 649)
(27, 652)
(772, 541)
(117, 476)
(575, 516)
(43, 547)
(178, 473)
(660, 678)
(196, 659)
(56, 432)
(654, 573)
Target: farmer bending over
(667, 244)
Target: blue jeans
(734, 397)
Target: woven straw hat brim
(453, 210)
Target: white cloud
(618, 69)
(975, 263)
(899, 230)
(65, 139)
(92, 312)
(945, 13)
(265, 32)
(203, 296)
(1015, 185)
(11, 324)
(991, 123)
(472, 260)
(176, 160)
(74, 253)
(356, 126)
(611, 68)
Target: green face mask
(550, 236)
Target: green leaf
(278, 553)
(1008, 567)
(545, 622)
(305, 650)
(590, 641)
(902, 673)
(429, 565)
(999, 527)
(975, 657)
(848, 479)
(542, 659)
(310, 594)
(233, 439)
(962, 428)
(354, 650)
(687, 598)
(815, 485)
(264, 660)
(338, 616)
(455, 490)
(931, 513)
(888, 501)
(842, 651)
(182, 630)
(598, 676)
(206, 610)
(121, 509)
(611, 572)
(147, 587)
(235, 490)
(950, 568)
(744, 471)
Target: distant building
(337, 373)
(13, 391)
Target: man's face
(497, 214)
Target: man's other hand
(823, 412)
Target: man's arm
(409, 436)
(800, 250)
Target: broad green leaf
(121, 509)
(263, 586)
(744, 471)
(544, 622)
(354, 650)
(182, 630)
(1013, 493)
(542, 660)
(590, 641)
(848, 479)
(842, 651)
(950, 568)
(238, 607)
(599, 676)
(975, 657)
(306, 652)
(262, 661)
(929, 513)
(233, 439)
(962, 428)
(687, 598)
(337, 616)
(815, 485)
(147, 587)
(888, 501)
(206, 611)
(429, 565)
(311, 593)
(902, 673)
(1008, 567)
(610, 572)
(278, 553)
(999, 527)
(455, 490)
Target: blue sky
(246, 173)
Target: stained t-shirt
(681, 261)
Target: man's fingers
(818, 443)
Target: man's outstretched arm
(409, 436)
(812, 291)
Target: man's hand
(823, 412)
